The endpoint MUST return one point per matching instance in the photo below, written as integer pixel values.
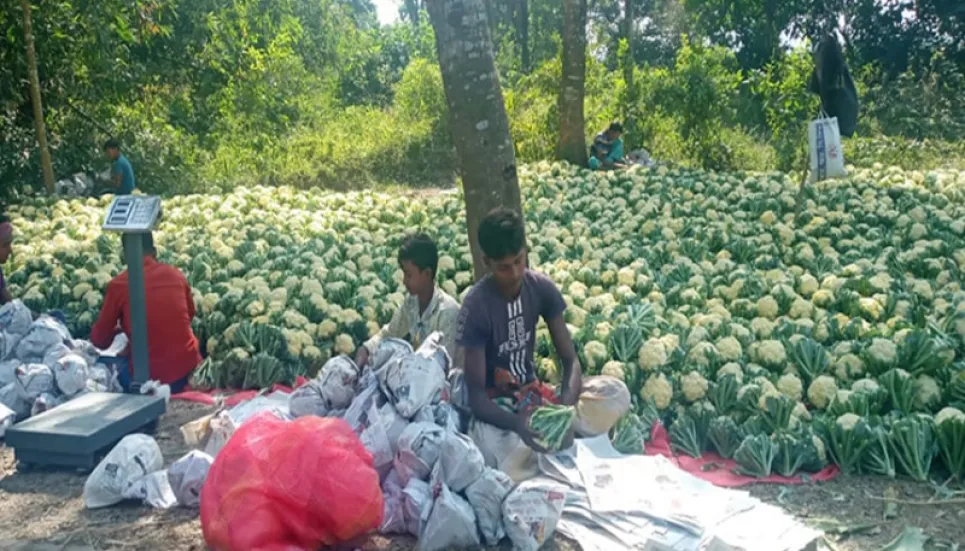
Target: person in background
(6, 248)
(426, 310)
(606, 152)
(497, 329)
(122, 173)
(172, 347)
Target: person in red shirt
(172, 347)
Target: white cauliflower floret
(848, 367)
(595, 353)
(702, 354)
(614, 369)
(697, 336)
(800, 308)
(344, 344)
(848, 421)
(694, 386)
(658, 389)
(801, 412)
(771, 353)
(652, 355)
(822, 298)
(808, 285)
(729, 349)
(791, 386)
(927, 393)
(762, 327)
(866, 385)
(767, 307)
(883, 352)
(819, 447)
(822, 390)
(326, 329)
(731, 368)
(949, 414)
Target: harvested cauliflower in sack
(415, 497)
(419, 447)
(450, 524)
(44, 333)
(387, 350)
(337, 379)
(8, 371)
(393, 511)
(46, 401)
(8, 345)
(531, 513)
(7, 418)
(12, 397)
(55, 353)
(15, 318)
(308, 399)
(187, 475)
(602, 402)
(461, 461)
(414, 381)
(33, 380)
(135, 456)
(486, 496)
(70, 374)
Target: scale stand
(79, 432)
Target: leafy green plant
(628, 435)
(755, 456)
(847, 437)
(552, 423)
(950, 433)
(725, 435)
(777, 412)
(795, 451)
(723, 394)
(913, 442)
(878, 457)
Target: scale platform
(77, 433)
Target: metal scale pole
(134, 257)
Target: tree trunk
(572, 145)
(477, 114)
(39, 125)
(628, 36)
(522, 33)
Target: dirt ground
(44, 511)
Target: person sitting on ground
(606, 152)
(497, 330)
(172, 347)
(122, 173)
(426, 310)
(6, 249)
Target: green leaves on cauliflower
(914, 444)
(755, 456)
(846, 437)
(950, 433)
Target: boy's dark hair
(502, 233)
(420, 250)
(616, 127)
(4, 218)
(147, 245)
(112, 144)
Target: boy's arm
(397, 328)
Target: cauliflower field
(784, 343)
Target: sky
(387, 10)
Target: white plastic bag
(86, 350)
(495, 444)
(393, 514)
(419, 447)
(414, 381)
(11, 397)
(446, 417)
(55, 353)
(156, 388)
(187, 475)
(15, 318)
(43, 334)
(388, 349)
(337, 379)
(8, 345)
(7, 418)
(308, 400)
(457, 389)
(70, 373)
(531, 513)
(152, 489)
(415, 497)
(8, 371)
(33, 380)
(393, 423)
(602, 402)
(449, 524)
(824, 144)
(133, 457)
(461, 461)
(486, 496)
(222, 426)
(366, 420)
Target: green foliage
(755, 456)
(913, 442)
(725, 435)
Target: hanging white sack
(824, 144)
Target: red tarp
(231, 398)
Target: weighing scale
(79, 432)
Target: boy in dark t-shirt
(497, 329)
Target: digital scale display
(132, 213)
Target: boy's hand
(527, 434)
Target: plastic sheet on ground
(187, 475)
(616, 501)
(415, 496)
(133, 457)
(723, 472)
(419, 447)
(448, 524)
(486, 496)
(416, 380)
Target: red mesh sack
(290, 485)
